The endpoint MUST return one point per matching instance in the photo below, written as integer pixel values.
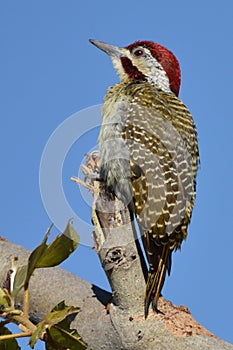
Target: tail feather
(160, 263)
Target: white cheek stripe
(149, 67)
(152, 70)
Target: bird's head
(145, 60)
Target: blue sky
(49, 71)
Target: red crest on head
(167, 60)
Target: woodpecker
(149, 152)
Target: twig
(26, 300)
(22, 320)
(16, 335)
(80, 182)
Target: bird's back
(159, 132)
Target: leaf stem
(26, 300)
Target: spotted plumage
(149, 152)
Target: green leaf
(5, 301)
(36, 255)
(58, 314)
(40, 329)
(19, 280)
(47, 255)
(61, 336)
(9, 344)
(65, 337)
(60, 249)
(55, 317)
(59, 306)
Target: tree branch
(118, 253)
(121, 328)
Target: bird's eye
(138, 52)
